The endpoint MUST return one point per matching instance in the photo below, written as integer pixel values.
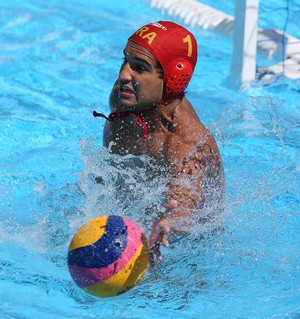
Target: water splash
(131, 186)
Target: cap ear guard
(178, 77)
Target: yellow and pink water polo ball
(108, 256)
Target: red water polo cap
(176, 50)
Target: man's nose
(125, 72)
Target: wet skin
(176, 139)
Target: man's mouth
(126, 90)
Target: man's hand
(159, 234)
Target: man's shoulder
(189, 128)
(188, 123)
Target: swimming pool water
(58, 61)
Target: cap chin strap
(116, 116)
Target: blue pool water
(58, 61)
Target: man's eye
(138, 68)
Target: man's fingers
(165, 241)
(158, 237)
(154, 251)
(151, 259)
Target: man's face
(140, 80)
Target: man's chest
(128, 139)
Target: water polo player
(151, 115)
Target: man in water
(151, 115)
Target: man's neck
(165, 110)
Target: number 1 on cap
(188, 40)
